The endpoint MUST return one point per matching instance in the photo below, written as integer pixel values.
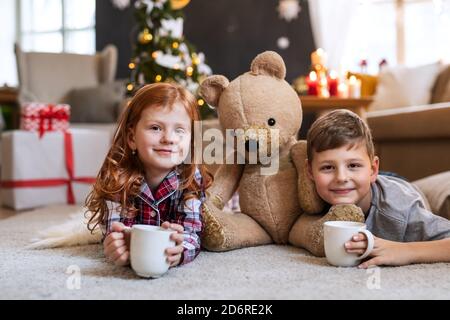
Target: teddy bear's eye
(271, 122)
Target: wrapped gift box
(44, 117)
(55, 169)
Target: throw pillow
(404, 86)
(98, 104)
(441, 89)
(437, 190)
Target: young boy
(342, 164)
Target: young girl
(144, 179)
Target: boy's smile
(343, 175)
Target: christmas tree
(161, 53)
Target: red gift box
(44, 117)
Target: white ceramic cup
(336, 234)
(147, 250)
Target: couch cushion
(404, 86)
(437, 190)
(96, 104)
(441, 88)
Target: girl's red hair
(122, 173)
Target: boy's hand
(117, 245)
(384, 252)
(174, 253)
(387, 252)
(358, 244)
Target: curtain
(8, 73)
(331, 21)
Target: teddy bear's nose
(251, 145)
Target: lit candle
(342, 90)
(311, 81)
(333, 83)
(323, 88)
(318, 57)
(354, 87)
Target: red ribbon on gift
(56, 182)
(48, 114)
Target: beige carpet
(268, 272)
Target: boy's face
(343, 175)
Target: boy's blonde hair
(336, 129)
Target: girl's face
(162, 137)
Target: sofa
(86, 82)
(410, 122)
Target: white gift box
(30, 164)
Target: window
(44, 25)
(8, 35)
(57, 25)
(409, 32)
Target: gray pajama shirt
(398, 213)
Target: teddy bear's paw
(344, 212)
(217, 201)
(213, 236)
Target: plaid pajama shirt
(166, 204)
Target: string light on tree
(145, 36)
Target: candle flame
(333, 74)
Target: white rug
(268, 272)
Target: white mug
(336, 234)
(147, 250)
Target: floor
(265, 272)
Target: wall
(114, 26)
(232, 32)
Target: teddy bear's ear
(212, 87)
(269, 63)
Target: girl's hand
(387, 252)
(174, 253)
(117, 245)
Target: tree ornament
(179, 4)
(289, 9)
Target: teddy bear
(281, 207)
